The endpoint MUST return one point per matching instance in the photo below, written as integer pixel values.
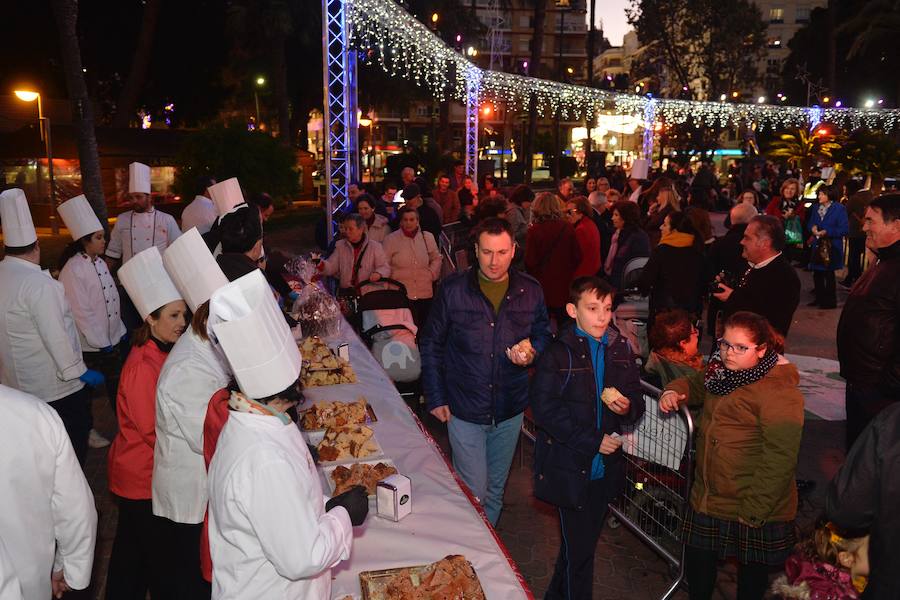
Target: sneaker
(95, 440)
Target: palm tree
(66, 14)
(869, 153)
(140, 61)
(802, 148)
(874, 27)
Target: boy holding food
(586, 387)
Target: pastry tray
(329, 469)
(374, 583)
(370, 417)
(314, 438)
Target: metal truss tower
(473, 93)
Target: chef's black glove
(314, 452)
(355, 500)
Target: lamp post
(44, 126)
(260, 81)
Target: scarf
(721, 381)
(677, 356)
(788, 204)
(677, 239)
(822, 209)
(613, 249)
(238, 402)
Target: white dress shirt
(192, 373)
(94, 298)
(39, 349)
(48, 521)
(200, 213)
(136, 231)
(269, 534)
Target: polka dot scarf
(721, 381)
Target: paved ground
(625, 567)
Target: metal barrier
(659, 455)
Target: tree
(66, 15)
(537, 51)
(869, 153)
(802, 148)
(140, 61)
(710, 47)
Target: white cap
(193, 269)
(79, 217)
(147, 283)
(253, 334)
(138, 178)
(18, 228)
(639, 168)
(227, 196)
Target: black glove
(314, 452)
(355, 500)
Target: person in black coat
(726, 257)
(585, 389)
(428, 219)
(673, 275)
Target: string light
(404, 47)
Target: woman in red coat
(131, 569)
(578, 213)
(551, 252)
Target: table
(443, 521)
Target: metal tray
(313, 438)
(370, 417)
(328, 470)
(374, 583)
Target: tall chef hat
(18, 228)
(639, 168)
(147, 283)
(193, 269)
(79, 217)
(227, 196)
(253, 334)
(138, 178)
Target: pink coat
(415, 262)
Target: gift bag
(793, 231)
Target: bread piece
(610, 395)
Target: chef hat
(193, 269)
(252, 332)
(79, 217)
(639, 168)
(827, 173)
(227, 196)
(147, 283)
(18, 228)
(138, 178)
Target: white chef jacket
(200, 213)
(636, 194)
(269, 534)
(135, 232)
(48, 521)
(10, 588)
(94, 298)
(192, 373)
(39, 349)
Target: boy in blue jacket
(587, 386)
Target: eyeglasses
(738, 349)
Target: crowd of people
(218, 498)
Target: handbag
(793, 231)
(821, 256)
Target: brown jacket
(747, 446)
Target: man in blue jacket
(486, 327)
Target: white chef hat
(227, 196)
(252, 332)
(138, 178)
(18, 228)
(146, 281)
(79, 217)
(193, 269)
(639, 168)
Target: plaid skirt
(770, 544)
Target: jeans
(482, 455)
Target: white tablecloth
(443, 520)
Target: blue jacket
(563, 402)
(463, 347)
(836, 225)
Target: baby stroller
(386, 326)
(632, 314)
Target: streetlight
(761, 100)
(260, 81)
(44, 125)
(870, 103)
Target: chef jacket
(94, 298)
(47, 517)
(269, 534)
(135, 232)
(192, 373)
(200, 213)
(10, 588)
(39, 349)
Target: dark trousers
(75, 412)
(110, 364)
(573, 576)
(420, 310)
(702, 569)
(134, 564)
(856, 255)
(826, 292)
(181, 561)
(863, 403)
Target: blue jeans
(482, 455)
